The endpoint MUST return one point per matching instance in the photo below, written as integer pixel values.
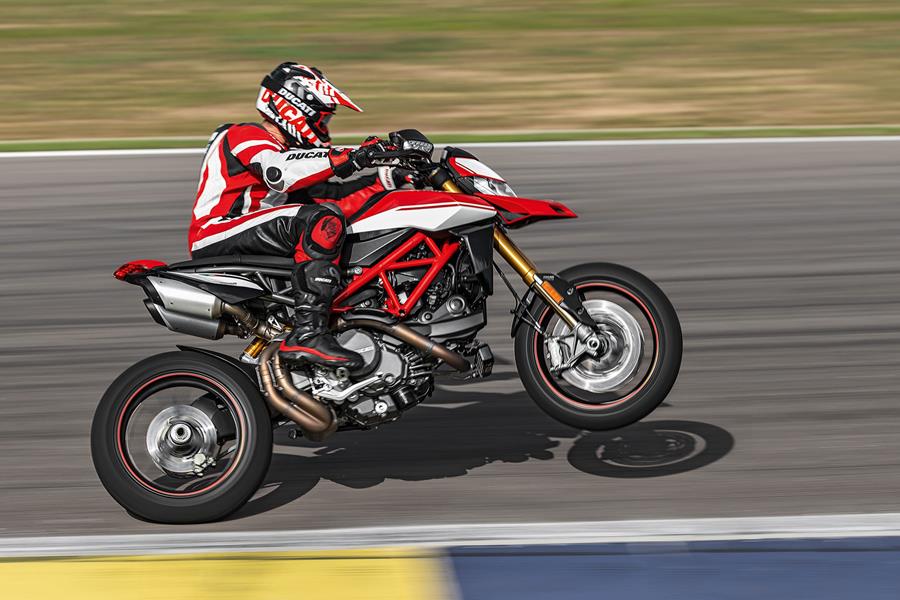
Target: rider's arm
(284, 170)
(336, 190)
(348, 196)
(387, 179)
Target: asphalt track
(780, 258)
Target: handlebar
(414, 160)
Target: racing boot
(310, 342)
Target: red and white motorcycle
(186, 436)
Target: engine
(393, 378)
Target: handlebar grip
(411, 159)
(390, 153)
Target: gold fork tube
(449, 186)
(511, 254)
(528, 272)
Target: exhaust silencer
(186, 309)
(211, 329)
(186, 299)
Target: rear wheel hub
(180, 435)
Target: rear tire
(142, 495)
(583, 408)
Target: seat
(244, 260)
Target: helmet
(299, 100)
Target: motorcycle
(186, 436)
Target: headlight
(493, 187)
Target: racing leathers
(257, 196)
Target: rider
(267, 188)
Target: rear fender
(246, 369)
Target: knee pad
(323, 233)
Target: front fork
(556, 292)
(566, 302)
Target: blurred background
(168, 68)
(779, 255)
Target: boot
(315, 284)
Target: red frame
(394, 262)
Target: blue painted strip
(838, 569)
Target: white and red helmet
(300, 101)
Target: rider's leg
(272, 232)
(316, 280)
(315, 284)
(313, 235)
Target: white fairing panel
(427, 217)
(478, 168)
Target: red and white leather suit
(257, 196)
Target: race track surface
(782, 260)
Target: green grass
(125, 68)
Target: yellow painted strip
(392, 574)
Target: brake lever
(411, 160)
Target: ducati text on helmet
(299, 100)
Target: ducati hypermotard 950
(186, 436)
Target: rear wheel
(634, 372)
(181, 437)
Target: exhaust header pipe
(316, 420)
(414, 339)
(249, 322)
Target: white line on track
(436, 536)
(687, 142)
(546, 144)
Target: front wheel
(181, 437)
(638, 363)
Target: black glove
(345, 162)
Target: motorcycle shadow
(443, 438)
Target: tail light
(136, 267)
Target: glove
(345, 162)
(393, 178)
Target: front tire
(181, 437)
(586, 396)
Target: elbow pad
(291, 170)
(274, 178)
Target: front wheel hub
(618, 353)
